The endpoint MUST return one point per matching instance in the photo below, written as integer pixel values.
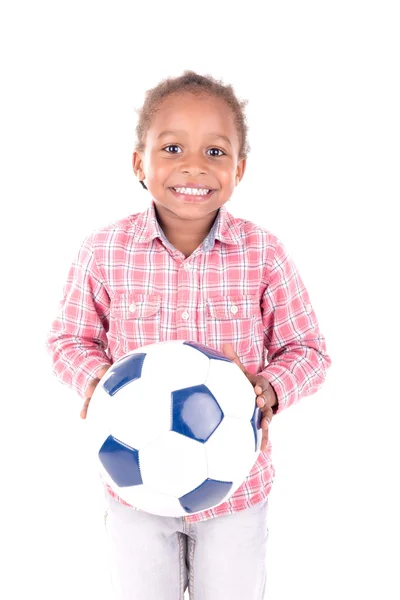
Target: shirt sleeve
(77, 341)
(297, 361)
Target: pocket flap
(135, 306)
(232, 307)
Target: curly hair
(196, 84)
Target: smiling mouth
(191, 191)
(192, 194)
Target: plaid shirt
(129, 287)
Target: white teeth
(192, 191)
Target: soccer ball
(176, 428)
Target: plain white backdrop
(322, 80)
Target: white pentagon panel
(232, 389)
(149, 500)
(231, 451)
(173, 464)
(178, 367)
(139, 415)
(145, 498)
(98, 418)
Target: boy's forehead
(185, 112)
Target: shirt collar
(225, 228)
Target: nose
(194, 164)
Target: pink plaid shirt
(129, 287)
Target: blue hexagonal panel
(256, 424)
(210, 352)
(209, 493)
(121, 462)
(123, 372)
(195, 412)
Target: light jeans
(157, 558)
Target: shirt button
(187, 267)
(234, 309)
(185, 315)
(132, 307)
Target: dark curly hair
(194, 83)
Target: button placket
(184, 316)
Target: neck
(185, 236)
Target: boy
(187, 269)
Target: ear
(240, 169)
(137, 163)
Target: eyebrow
(213, 134)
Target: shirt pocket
(137, 319)
(231, 319)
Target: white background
(322, 80)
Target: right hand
(90, 389)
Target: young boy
(187, 269)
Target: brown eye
(214, 150)
(175, 151)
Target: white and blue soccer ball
(175, 427)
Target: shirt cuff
(86, 371)
(284, 384)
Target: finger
(265, 421)
(102, 371)
(258, 389)
(229, 351)
(264, 442)
(263, 387)
(260, 401)
(265, 403)
(91, 386)
(267, 413)
(266, 397)
(90, 389)
(84, 408)
(265, 431)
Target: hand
(266, 396)
(90, 389)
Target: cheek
(227, 177)
(157, 170)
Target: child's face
(192, 141)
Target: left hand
(266, 397)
